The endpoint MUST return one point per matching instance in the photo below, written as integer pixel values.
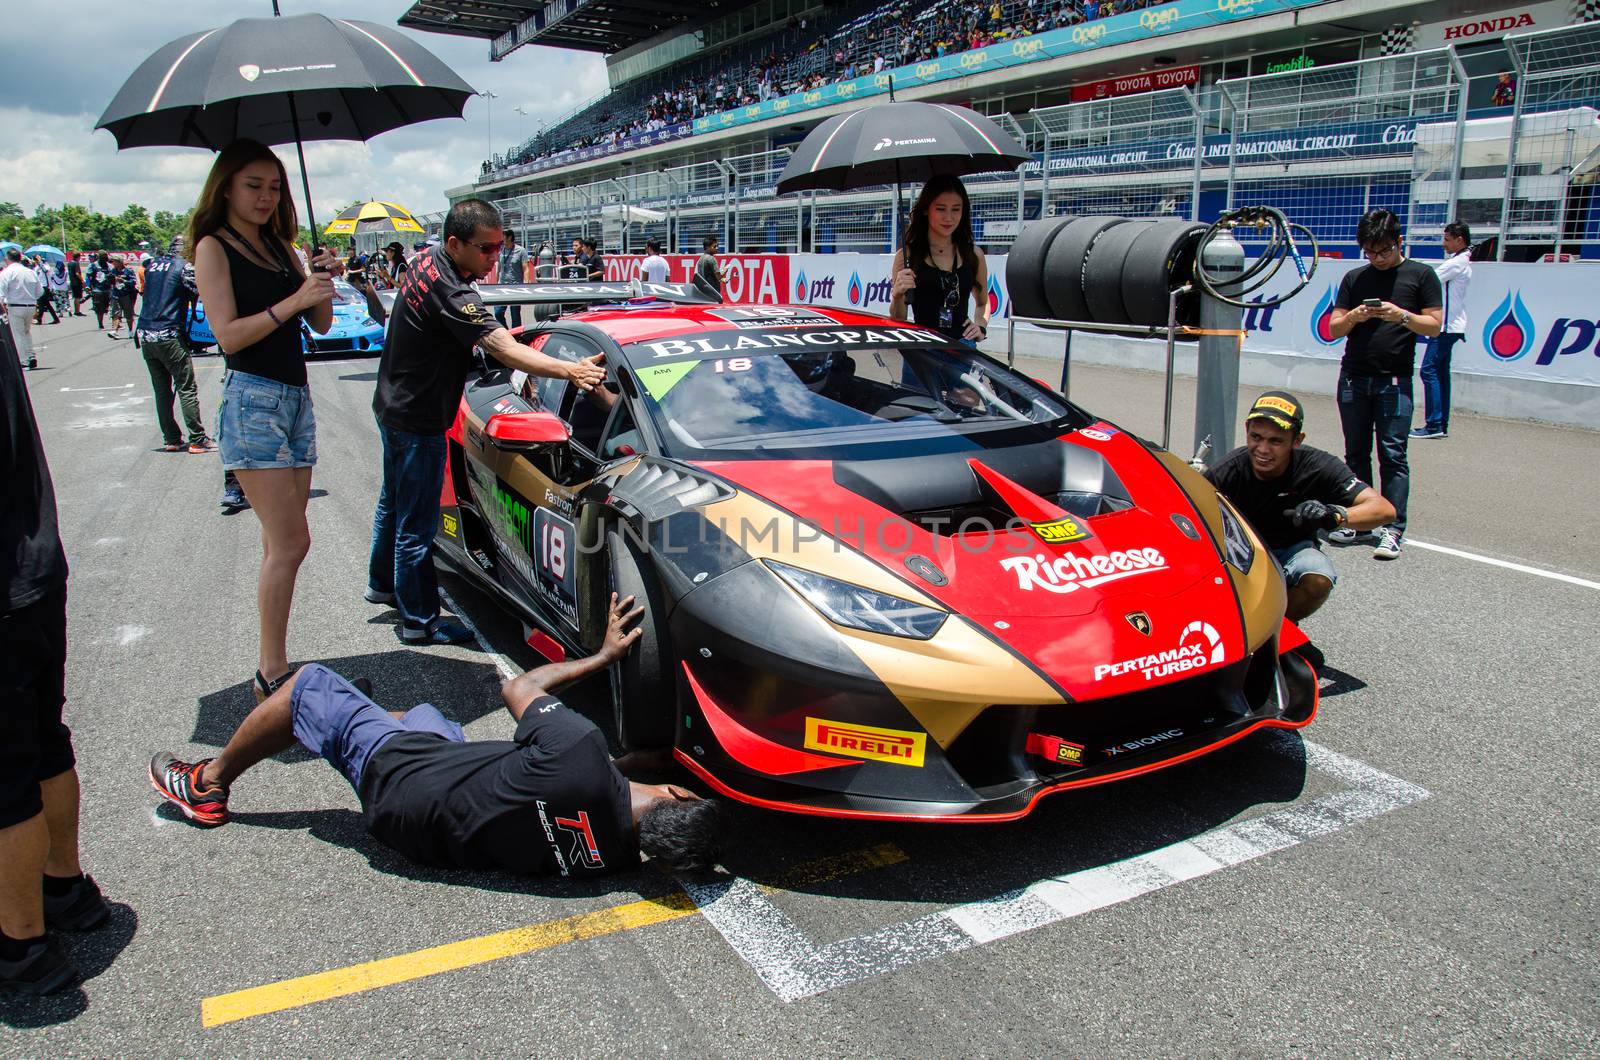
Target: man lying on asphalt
(1288, 491)
(549, 801)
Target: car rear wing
(574, 293)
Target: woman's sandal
(265, 688)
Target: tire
(1160, 261)
(644, 689)
(1102, 272)
(1063, 266)
(1025, 267)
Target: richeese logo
(867, 741)
(1199, 646)
(1068, 573)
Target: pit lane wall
(1532, 347)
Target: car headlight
(1236, 544)
(857, 608)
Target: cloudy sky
(60, 70)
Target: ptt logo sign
(1322, 320)
(813, 291)
(996, 299)
(863, 295)
(1092, 34)
(1157, 20)
(1511, 333)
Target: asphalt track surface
(1414, 877)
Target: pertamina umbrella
(373, 216)
(895, 142)
(282, 80)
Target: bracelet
(274, 317)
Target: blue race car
(353, 330)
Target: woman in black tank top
(256, 293)
(939, 272)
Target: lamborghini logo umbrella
(373, 216)
(282, 80)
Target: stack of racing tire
(1104, 270)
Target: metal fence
(1325, 144)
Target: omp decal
(1199, 646)
(866, 741)
(1070, 572)
(1061, 531)
(658, 379)
(1054, 748)
(447, 523)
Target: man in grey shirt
(513, 269)
(706, 268)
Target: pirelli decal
(865, 741)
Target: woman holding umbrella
(255, 293)
(939, 273)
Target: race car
(884, 575)
(353, 330)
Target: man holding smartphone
(1382, 307)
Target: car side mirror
(525, 430)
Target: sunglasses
(1379, 252)
(488, 248)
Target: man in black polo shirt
(1382, 306)
(438, 317)
(547, 802)
(1288, 491)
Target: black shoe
(83, 908)
(32, 363)
(438, 632)
(43, 969)
(233, 500)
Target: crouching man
(549, 801)
(1288, 491)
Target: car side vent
(657, 490)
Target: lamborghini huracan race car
(883, 575)
(353, 329)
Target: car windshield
(344, 294)
(843, 402)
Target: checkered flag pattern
(1397, 40)
(1586, 10)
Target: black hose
(1280, 247)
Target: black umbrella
(306, 77)
(895, 142)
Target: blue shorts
(264, 424)
(333, 719)
(1302, 558)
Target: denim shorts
(333, 719)
(1302, 558)
(264, 424)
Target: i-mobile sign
(1176, 77)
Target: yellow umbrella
(373, 216)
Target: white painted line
(794, 967)
(89, 389)
(1521, 568)
(503, 664)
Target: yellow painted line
(359, 978)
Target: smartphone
(1373, 303)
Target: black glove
(1317, 515)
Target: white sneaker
(1388, 546)
(1344, 535)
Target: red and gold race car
(884, 575)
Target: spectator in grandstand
(596, 261)
(1382, 307)
(1455, 274)
(706, 268)
(1505, 90)
(940, 272)
(654, 267)
(1289, 490)
(511, 268)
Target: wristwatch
(1405, 319)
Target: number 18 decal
(555, 542)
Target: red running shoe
(179, 782)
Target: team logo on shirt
(584, 850)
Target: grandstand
(1176, 108)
